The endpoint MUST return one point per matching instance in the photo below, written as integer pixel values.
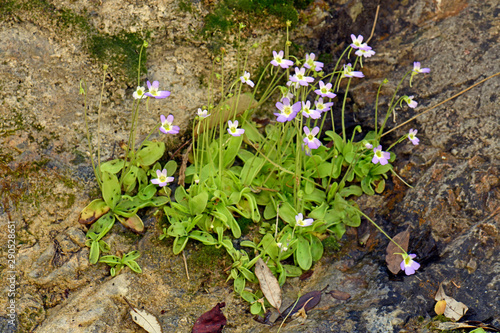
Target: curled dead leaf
(394, 260)
(453, 309)
(212, 321)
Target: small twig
(185, 264)
(131, 306)
(374, 23)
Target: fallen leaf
(453, 326)
(303, 304)
(340, 295)
(306, 275)
(268, 284)
(453, 310)
(145, 320)
(212, 321)
(394, 260)
(440, 307)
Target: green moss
(227, 13)
(120, 52)
(244, 224)
(330, 244)
(186, 6)
(207, 257)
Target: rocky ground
(452, 211)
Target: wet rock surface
(452, 211)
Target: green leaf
(338, 230)
(380, 186)
(326, 169)
(269, 211)
(110, 260)
(179, 244)
(256, 308)
(303, 253)
(248, 296)
(316, 248)
(102, 226)
(147, 192)
(319, 212)
(111, 192)
(177, 229)
(251, 169)
(287, 213)
(339, 143)
(134, 266)
(239, 284)
(130, 179)
(132, 255)
(379, 169)
(247, 274)
(248, 244)
(113, 166)
(171, 167)
(133, 223)
(231, 151)
(150, 153)
(270, 247)
(348, 148)
(94, 252)
(198, 204)
(104, 247)
(366, 185)
(181, 196)
(203, 237)
(292, 271)
(93, 212)
(351, 190)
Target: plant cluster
(295, 181)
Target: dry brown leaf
(145, 320)
(394, 260)
(268, 283)
(454, 309)
(453, 326)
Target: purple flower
(356, 42)
(279, 61)
(233, 128)
(325, 90)
(288, 112)
(417, 69)
(368, 145)
(299, 220)
(166, 125)
(154, 92)
(408, 265)
(364, 51)
(409, 100)
(310, 63)
(348, 72)
(322, 107)
(139, 93)
(300, 77)
(412, 135)
(246, 79)
(380, 156)
(162, 179)
(310, 140)
(203, 114)
(307, 112)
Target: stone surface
(452, 210)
